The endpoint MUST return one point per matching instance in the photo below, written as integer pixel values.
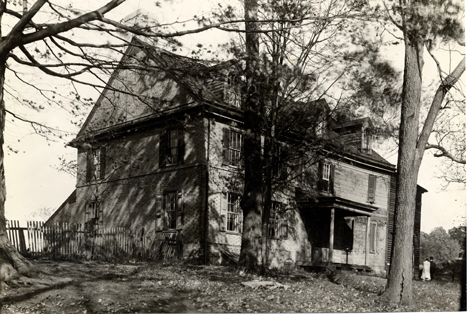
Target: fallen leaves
(151, 287)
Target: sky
(33, 181)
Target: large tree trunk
(250, 253)
(12, 264)
(399, 286)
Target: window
(326, 177)
(278, 228)
(170, 208)
(172, 148)
(373, 236)
(95, 164)
(279, 168)
(169, 211)
(94, 215)
(371, 188)
(234, 213)
(366, 140)
(172, 156)
(321, 126)
(231, 92)
(233, 145)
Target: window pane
(171, 209)
(233, 212)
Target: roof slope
(150, 81)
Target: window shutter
(89, 166)
(223, 222)
(179, 211)
(181, 146)
(102, 160)
(331, 179)
(163, 147)
(159, 214)
(240, 221)
(373, 227)
(320, 175)
(371, 188)
(226, 145)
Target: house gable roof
(150, 82)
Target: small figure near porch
(426, 270)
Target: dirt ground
(92, 287)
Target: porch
(339, 233)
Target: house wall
(225, 178)
(351, 183)
(134, 180)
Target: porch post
(367, 239)
(331, 236)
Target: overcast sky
(33, 181)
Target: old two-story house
(168, 160)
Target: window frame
(233, 147)
(231, 91)
(170, 215)
(277, 227)
(167, 149)
(94, 213)
(234, 214)
(326, 171)
(95, 164)
(173, 151)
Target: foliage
(439, 244)
(458, 234)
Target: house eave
(328, 202)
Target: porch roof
(340, 203)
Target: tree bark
(12, 263)
(412, 145)
(252, 203)
(399, 286)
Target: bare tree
(421, 24)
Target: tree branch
(444, 153)
(435, 107)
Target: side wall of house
(135, 182)
(351, 183)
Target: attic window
(320, 127)
(367, 139)
(231, 91)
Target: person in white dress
(426, 270)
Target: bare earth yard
(91, 287)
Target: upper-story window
(95, 167)
(172, 148)
(367, 139)
(279, 167)
(371, 188)
(233, 146)
(232, 91)
(321, 125)
(326, 177)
